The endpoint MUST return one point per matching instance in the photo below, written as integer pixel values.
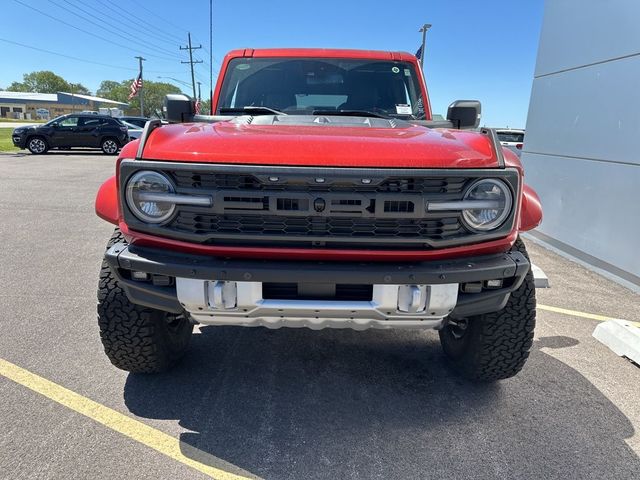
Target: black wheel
(37, 145)
(494, 346)
(109, 146)
(135, 338)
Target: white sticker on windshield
(407, 72)
(403, 109)
(395, 70)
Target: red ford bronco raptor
(320, 193)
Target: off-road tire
(495, 346)
(135, 338)
(109, 146)
(37, 145)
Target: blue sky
(484, 50)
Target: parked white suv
(511, 137)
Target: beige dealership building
(31, 106)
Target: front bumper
(19, 140)
(234, 292)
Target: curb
(540, 278)
(622, 337)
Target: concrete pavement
(290, 404)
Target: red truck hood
(408, 146)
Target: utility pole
(140, 91)
(191, 62)
(424, 29)
(199, 96)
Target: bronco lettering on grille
(323, 204)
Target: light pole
(424, 29)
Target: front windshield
(301, 86)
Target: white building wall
(582, 146)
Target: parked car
(319, 195)
(134, 131)
(139, 121)
(511, 137)
(73, 130)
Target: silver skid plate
(216, 302)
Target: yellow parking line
(134, 429)
(591, 316)
(574, 313)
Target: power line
(139, 5)
(172, 24)
(118, 26)
(201, 79)
(78, 59)
(64, 55)
(154, 31)
(86, 31)
(101, 25)
(182, 82)
(141, 22)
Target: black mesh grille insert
(205, 181)
(201, 224)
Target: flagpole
(140, 92)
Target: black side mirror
(464, 114)
(178, 108)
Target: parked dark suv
(73, 130)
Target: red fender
(107, 201)
(531, 210)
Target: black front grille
(314, 207)
(267, 225)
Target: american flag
(135, 86)
(198, 106)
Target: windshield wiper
(253, 110)
(349, 113)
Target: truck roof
(321, 53)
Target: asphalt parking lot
(285, 404)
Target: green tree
(205, 107)
(113, 90)
(154, 93)
(78, 88)
(46, 81)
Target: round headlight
(492, 200)
(141, 190)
